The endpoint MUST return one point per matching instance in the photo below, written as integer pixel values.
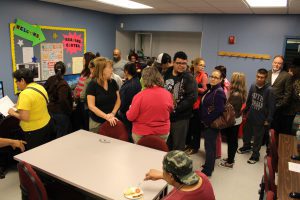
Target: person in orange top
(194, 133)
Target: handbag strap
(39, 92)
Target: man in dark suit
(281, 83)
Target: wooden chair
(273, 145)
(32, 187)
(118, 131)
(154, 142)
(270, 195)
(269, 175)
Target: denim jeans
(210, 137)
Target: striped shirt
(80, 85)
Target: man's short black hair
(262, 71)
(181, 55)
(25, 73)
(130, 68)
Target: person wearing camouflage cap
(178, 172)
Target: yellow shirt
(36, 104)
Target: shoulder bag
(227, 119)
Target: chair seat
(118, 131)
(153, 141)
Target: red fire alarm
(231, 39)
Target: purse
(227, 119)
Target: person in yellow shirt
(32, 110)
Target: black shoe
(253, 160)
(243, 150)
(2, 172)
(224, 160)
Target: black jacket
(184, 90)
(60, 96)
(128, 90)
(282, 88)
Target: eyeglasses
(181, 63)
(279, 63)
(214, 77)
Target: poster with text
(50, 54)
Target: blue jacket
(260, 105)
(212, 105)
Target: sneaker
(243, 150)
(192, 151)
(186, 149)
(2, 172)
(253, 160)
(226, 165)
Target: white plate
(134, 195)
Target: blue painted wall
(261, 34)
(100, 29)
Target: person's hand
(110, 115)
(11, 111)
(154, 175)
(112, 121)
(19, 144)
(266, 123)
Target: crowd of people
(170, 98)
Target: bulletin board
(59, 44)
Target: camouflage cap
(179, 164)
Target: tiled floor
(241, 182)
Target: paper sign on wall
(77, 65)
(50, 54)
(72, 42)
(27, 54)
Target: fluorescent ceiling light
(267, 3)
(126, 4)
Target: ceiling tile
(269, 10)
(183, 6)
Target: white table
(103, 169)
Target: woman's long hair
(88, 56)
(238, 84)
(100, 63)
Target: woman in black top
(60, 100)
(129, 89)
(103, 96)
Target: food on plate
(133, 193)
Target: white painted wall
(125, 42)
(167, 42)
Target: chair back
(154, 142)
(269, 175)
(274, 149)
(270, 195)
(118, 131)
(32, 187)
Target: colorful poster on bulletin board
(40, 47)
(50, 54)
